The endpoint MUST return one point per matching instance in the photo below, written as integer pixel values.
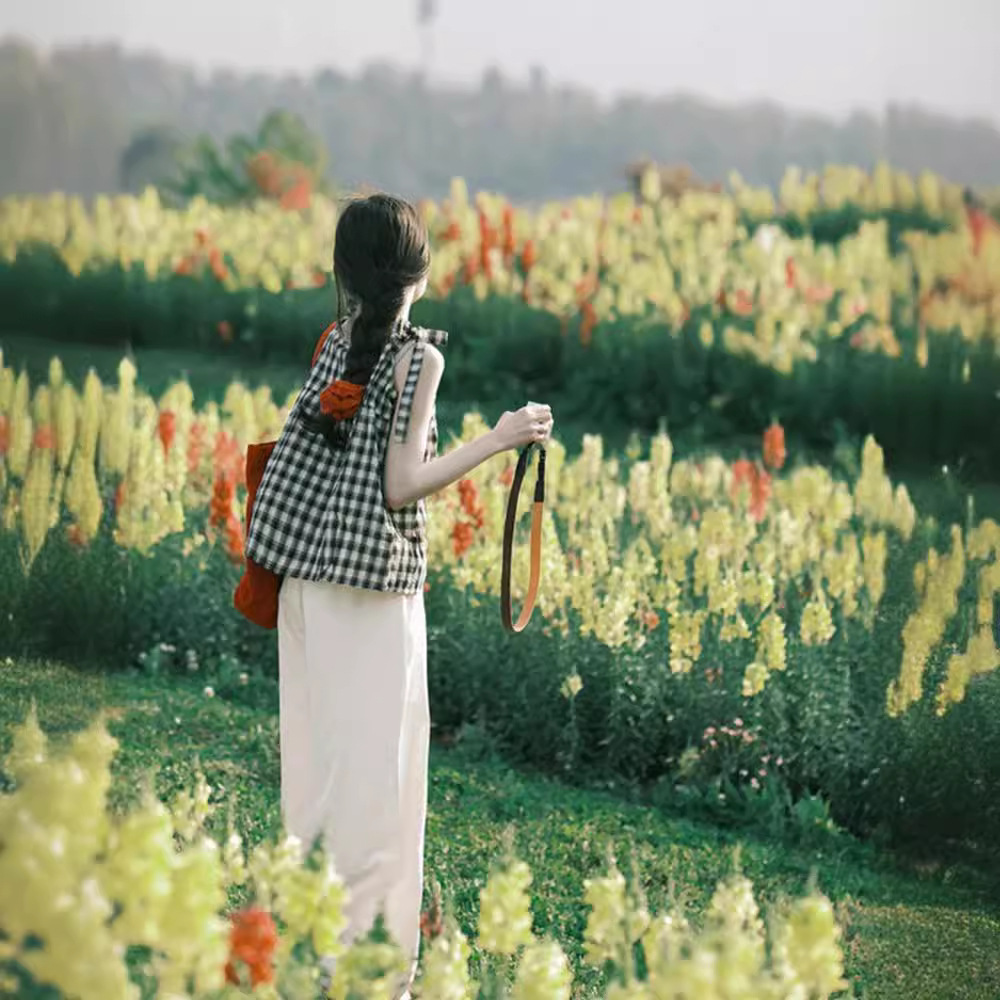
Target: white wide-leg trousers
(355, 726)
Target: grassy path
(914, 933)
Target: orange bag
(256, 596)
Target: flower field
(737, 585)
(774, 297)
(140, 896)
(762, 640)
(871, 301)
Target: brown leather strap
(506, 611)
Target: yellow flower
(543, 973)
(445, 973)
(505, 910)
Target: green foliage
(151, 159)
(234, 173)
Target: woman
(339, 516)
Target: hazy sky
(823, 55)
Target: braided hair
(380, 252)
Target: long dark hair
(381, 250)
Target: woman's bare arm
(407, 476)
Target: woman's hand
(530, 424)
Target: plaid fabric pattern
(321, 514)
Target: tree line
(93, 119)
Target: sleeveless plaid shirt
(320, 514)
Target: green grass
(915, 931)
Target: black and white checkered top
(321, 514)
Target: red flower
(119, 496)
(4, 434)
(774, 447)
(166, 425)
(252, 940)
(341, 399)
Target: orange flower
(166, 425)
(508, 232)
(432, 919)
(217, 264)
(298, 197)
(650, 619)
(586, 287)
(228, 458)
(252, 940)
(743, 303)
(507, 476)
(529, 256)
(119, 496)
(234, 538)
(195, 445)
(75, 535)
(470, 269)
(791, 274)
(201, 237)
(44, 438)
(462, 537)
(487, 234)
(4, 434)
(341, 399)
(447, 283)
(453, 232)
(185, 265)
(470, 501)
(225, 329)
(774, 447)
(223, 494)
(760, 493)
(319, 278)
(743, 472)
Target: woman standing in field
(339, 516)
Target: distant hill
(66, 120)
